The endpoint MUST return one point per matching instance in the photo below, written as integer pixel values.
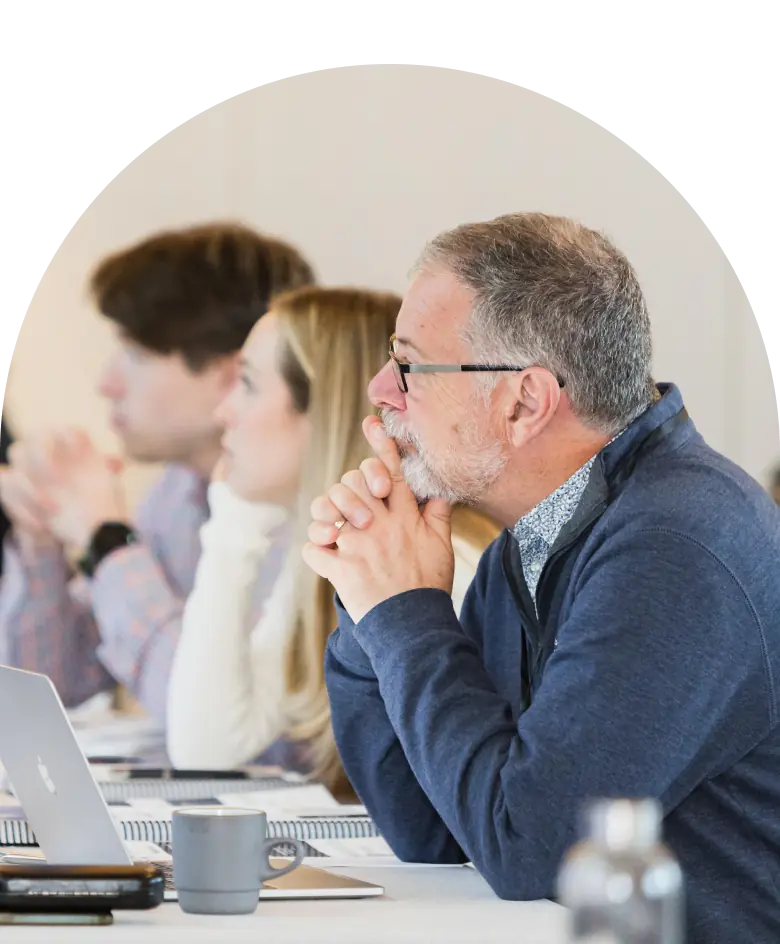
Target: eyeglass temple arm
(459, 368)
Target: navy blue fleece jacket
(651, 670)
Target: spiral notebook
(55, 786)
(303, 812)
(184, 791)
(17, 832)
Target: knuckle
(381, 472)
(336, 493)
(318, 505)
(352, 479)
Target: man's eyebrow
(407, 343)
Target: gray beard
(470, 470)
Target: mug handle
(267, 870)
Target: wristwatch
(109, 537)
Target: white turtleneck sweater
(226, 691)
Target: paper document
(145, 808)
(307, 801)
(341, 811)
(368, 852)
(138, 849)
(142, 851)
(352, 848)
(120, 736)
(284, 804)
(101, 731)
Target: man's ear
(533, 396)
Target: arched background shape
(359, 167)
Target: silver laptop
(63, 804)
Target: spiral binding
(17, 832)
(353, 828)
(179, 790)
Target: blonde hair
(473, 527)
(334, 340)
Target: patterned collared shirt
(124, 624)
(537, 531)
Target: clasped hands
(57, 489)
(387, 544)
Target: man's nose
(110, 382)
(225, 413)
(383, 390)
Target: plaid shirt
(124, 624)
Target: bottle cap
(624, 825)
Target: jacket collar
(653, 418)
(616, 460)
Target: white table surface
(422, 905)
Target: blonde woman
(239, 692)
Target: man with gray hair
(621, 637)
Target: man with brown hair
(183, 303)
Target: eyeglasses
(400, 369)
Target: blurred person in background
(243, 688)
(183, 303)
(774, 484)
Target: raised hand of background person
(24, 492)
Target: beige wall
(359, 167)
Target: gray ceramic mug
(221, 858)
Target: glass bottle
(621, 884)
